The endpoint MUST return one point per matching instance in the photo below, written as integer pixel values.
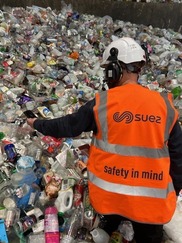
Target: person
(135, 157)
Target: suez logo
(129, 117)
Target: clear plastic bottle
(51, 225)
(23, 181)
(5, 192)
(89, 212)
(73, 224)
(126, 229)
(22, 190)
(12, 215)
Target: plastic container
(100, 236)
(64, 200)
(19, 179)
(10, 152)
(5, 192)
(45, 112)
(51, 225)
(24, 224)
(12, 215)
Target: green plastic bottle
(176, 92)
(2, 135)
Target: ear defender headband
(113, 69)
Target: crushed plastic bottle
(73, 224)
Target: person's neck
(131, 78)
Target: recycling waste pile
(50, 65)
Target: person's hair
(134, 67)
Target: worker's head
(121, 56)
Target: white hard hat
(128, 51)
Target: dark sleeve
(70, 125)
(175, 152)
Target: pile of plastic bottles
(50, 65)
(54, 57)
(43, 190)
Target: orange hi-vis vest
(129, 162)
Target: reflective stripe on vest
(130, 190)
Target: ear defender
(113, 69)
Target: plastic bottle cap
(2, 135)
(60, 214)
(60, 218)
